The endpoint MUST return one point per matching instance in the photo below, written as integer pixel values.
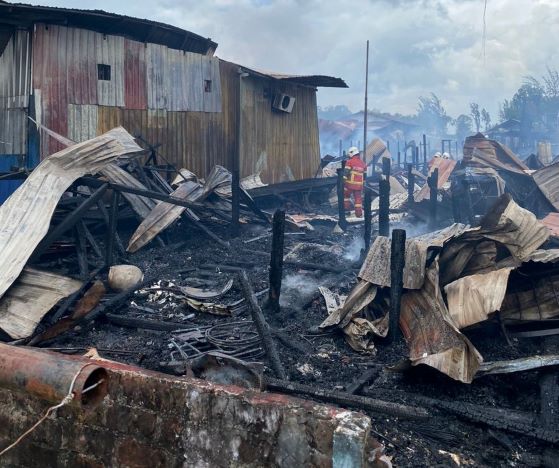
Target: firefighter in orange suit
(354, 176)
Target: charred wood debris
(437, 313)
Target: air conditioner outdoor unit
(283, 102)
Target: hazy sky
(417, 46)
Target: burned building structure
(81, 73)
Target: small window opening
(103, 72)
(208, 86)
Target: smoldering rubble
(429, 329)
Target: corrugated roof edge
(316, 81)
(108, 23)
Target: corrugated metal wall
(145, 77)
(160, 94)
(15, 76)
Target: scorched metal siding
(15, 71)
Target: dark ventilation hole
(103, 72)
(285, 102)
(208, 86)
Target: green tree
(476, 116)
(463, 126)
(486, 118)
(432, 115)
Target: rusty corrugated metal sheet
(135, 88)
(176, 80)
(15, 81)
(547, 180)
(25, 217)
(445, 167)
(281, 146)
(82, 66)
(479, 150)
(376, 267)
(551, 221)
(110, 51)
(15, 72)
(473, 298)
(50, 72)
(142, 30)
(157, 79)
(431, 334)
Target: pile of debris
(295, 304)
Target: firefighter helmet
(353, 151)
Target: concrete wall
(153, 420)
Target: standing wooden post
(468, 203)
(433, 182)
(111, 233)
(384, 199)
(367, 215)
(397, 263)
(340, 189)
(411, 185)
(276, 259)
(398, 159)
(417, 157)
(455, 203)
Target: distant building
(81, 73)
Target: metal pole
(366, 103)
(424, 150)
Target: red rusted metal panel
(82, 66)
(50, 67)
(135, 90)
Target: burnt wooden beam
(105, 215)
(384, 199)
(70, 221)
(411, 185)
(397, 263)
(81, 252)
(276, 260)
(261, 326)
(433, 182)
(111, 232)
(84, 231)
(549, 388)
(346, 399)
(364, 379)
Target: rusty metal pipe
(49, 375)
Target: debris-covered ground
(327, 361)
(471, 378)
